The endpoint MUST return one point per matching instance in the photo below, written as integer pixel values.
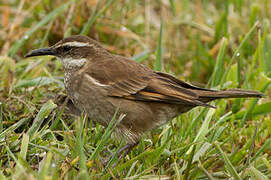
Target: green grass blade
(39, 81)
(188, 167)
(206, 172)
(44, 112)
(45, 20)
(24, 146)
(247, 36)
(111, 126)
(158, 60)
(2, 176)
(95, 15)
(13, 157)
(261, 150)
(231, 168)
(255, 9)
(142, 56)
(83, 174)
(121, 167)
(195, 121)
(46, 163)
(258, 110)
(22, 156)
(252, 106)
(221, 28)
(13, 127)
(218, 70)
(201, 151)
(267, 164)
(256, 174)
(204, 127)
(1, 117)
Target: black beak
(41, 52)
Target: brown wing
(128, 79)
(166, 88)
(121, 77)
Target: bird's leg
(126, 149)
(122, 153)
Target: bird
(99, 82)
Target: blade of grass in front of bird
(44, 21)
(108, 131)
(114, 156)
(195, 121)
(204, 128)
(158, 60)
(228, 163)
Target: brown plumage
(99, 82)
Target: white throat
(70, 63)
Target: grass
(223, 44)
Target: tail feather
(207, 96)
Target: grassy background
(220, 44)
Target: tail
(206, 96)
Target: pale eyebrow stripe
(75, 44)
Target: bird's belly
(92, 100)
(142, 116)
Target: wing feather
(128, 79)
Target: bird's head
(73, 51)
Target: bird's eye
(67, 48)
